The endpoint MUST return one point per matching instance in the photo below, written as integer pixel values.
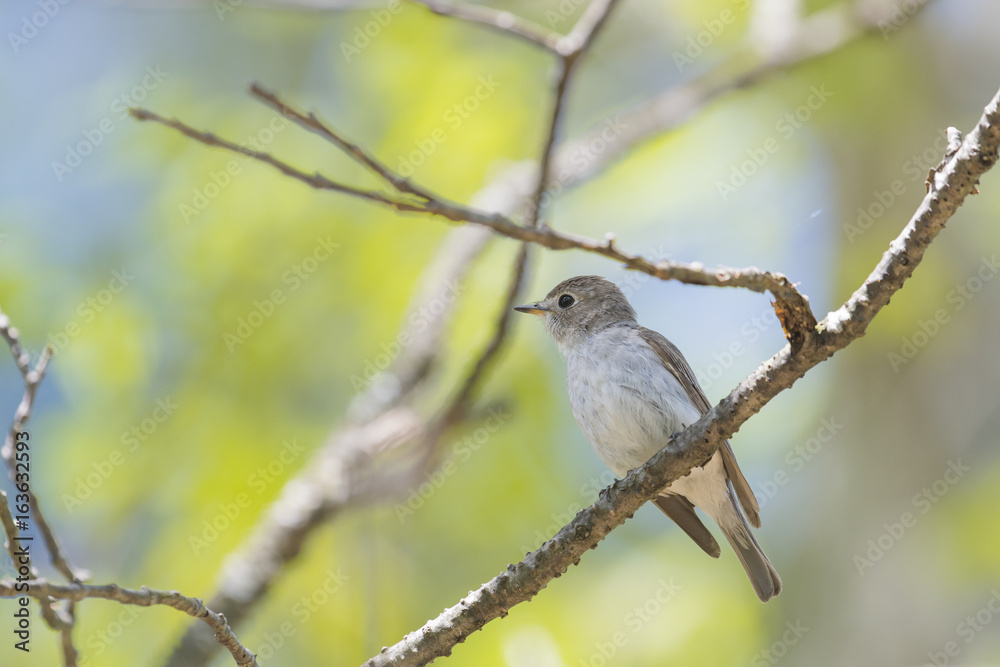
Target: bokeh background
(137, 293)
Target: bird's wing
(681, 511)
(678, 365)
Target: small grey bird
(630, 389)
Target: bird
(631, 389)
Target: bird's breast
(626, 401)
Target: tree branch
(32, 379)
(316, 180)
(313, 124)
(144, 597)
(61, 621)
(792, 306)
(500, 21)
(570, 49)
(948, 186)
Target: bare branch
(579, 39)
(32, 379)
(792, 307)
(571, 49)
(494, 19)
(949, 185)
(313, 124)
(144, 597)
(316, 180)
(60, 621)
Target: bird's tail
(763, 577)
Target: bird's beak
(532, 309)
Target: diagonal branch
(792, 307)
(144, 597)
(313, 124)
(495, 19)
(571, 49)
(61, 621)
(949, 185)
(315, 180)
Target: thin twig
(60, 621)
(316, 180)
(571, 50)
(313, 124)
(494, 19)
(144, 597)
(793, 308)
(32, 378)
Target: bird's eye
(565, 301)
